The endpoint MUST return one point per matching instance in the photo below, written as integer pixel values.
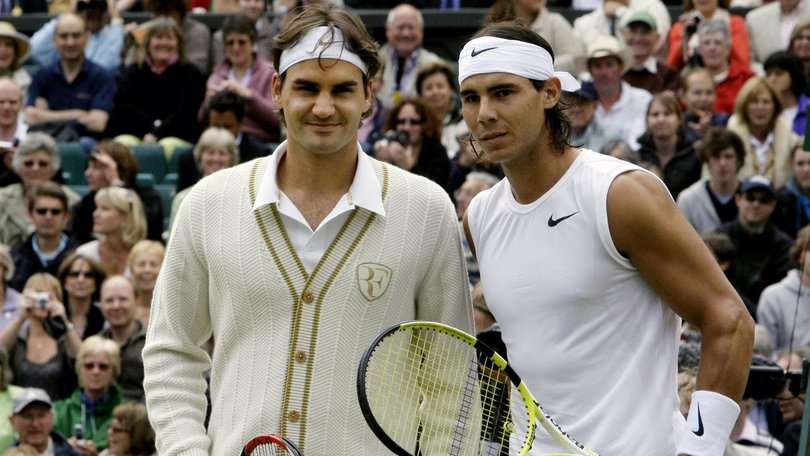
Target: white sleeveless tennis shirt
(591, 339)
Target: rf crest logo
(373, 279)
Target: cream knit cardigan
(288, 345)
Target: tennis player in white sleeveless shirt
(587, 333)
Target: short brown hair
(321, 14)
(47, 189)
(717, 139)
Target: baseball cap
(587, 91)
(758, 183)
(641, 17)
(30, 396)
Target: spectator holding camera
(682, 43)
(412, 142)
(41, 342)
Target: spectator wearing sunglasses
(81, 278)
(413, 142)
(763, 251)
(35, 161)
(49, 244)
(91, 405)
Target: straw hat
(23, 44)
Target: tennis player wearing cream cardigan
(295, 262)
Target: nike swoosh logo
(477, 51)
(699, 431)
(552, 223)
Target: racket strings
(433, 393)
(269, 449)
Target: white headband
(489, 54)
(320, 43)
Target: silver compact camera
(41, 299)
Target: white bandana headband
(320, 43)
(489, 54)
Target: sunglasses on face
(101, 366)
(77, 274)
(763, 199)
(40, 163)
(409, 121)
(48, 210)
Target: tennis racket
(429, 389)
(270, 445)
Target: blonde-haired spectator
(216, 150)
(145, 260)
(119, 222)
(768, 137)
(98, 365)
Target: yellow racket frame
(535, 412)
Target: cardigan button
(308, 297)
(293, 416)
(301, 356)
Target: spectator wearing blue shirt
(104, 43)
(71, 98)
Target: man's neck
(120, 334)
(609, 96)
(788, 7)
(533, 175)
(8, 132)
(48, 244)
(718, 70)
(42, 447)
(753, 229)
(71, 68)
(723, 187)
(315, 183)
(639, 61)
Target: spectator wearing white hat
(619, 105)
(32, 418)
(14, 50)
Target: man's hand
(109, 166)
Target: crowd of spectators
(712, 102)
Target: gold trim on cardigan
(308, 292)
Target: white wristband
(709, 424)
